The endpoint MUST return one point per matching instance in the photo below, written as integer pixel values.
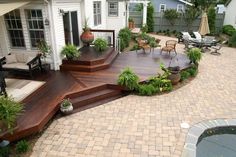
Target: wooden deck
(89, 87)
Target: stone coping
(190, 146)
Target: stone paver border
(190, 146)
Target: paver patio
(136, 126)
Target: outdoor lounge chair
(21, 62)
(197, 35)
(170, 46)
(184, 36)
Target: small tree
(150, 19)
(171, 15)
(191, 13)
(211, 19)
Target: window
(14, 27)
(112, 8)
(97, 13)
(162, 7)
(180, 8)
(35, 26)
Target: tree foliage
(150, 19)
(204, 4)
(211, 19)
(171, 15)
(191, 13)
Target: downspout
(52, 32)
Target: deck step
(94, 95)
(90, 68)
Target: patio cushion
(20, 57)
(16, 66)
(11, 59)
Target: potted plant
(194, 55)
(100, 44)
(87, 36)
(131, 23)
(66, 107)
(70, 51)
(9, 111)
(44, 49)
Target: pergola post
(145, 13)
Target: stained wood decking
(44, 103)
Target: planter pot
(87, 37)
(131, 25)
(69, 58)
(66, 110)
(175, 76)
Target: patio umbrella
(204, 27)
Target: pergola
(145, 4)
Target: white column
(144, 13)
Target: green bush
(232, 40)
(171, 15)
(22, 146)
(147, 90)
(150, 18)
(135, 47)
(228, 29)
(161, 83)
(128, 79)
(9, 111)
(100, 44)
(192, 71)
(70, 51)
(184, 75)
(4, 151)
(125, 37)
(211, 19)
(194, 55)
(144, 28)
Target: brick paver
(136, 126)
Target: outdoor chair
(217, 48)
(142, 44)
(188, 44)
(197, 35)
(170, 46)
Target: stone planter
(87, 37)
(66, 110)
(175, 76)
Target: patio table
(205, 42)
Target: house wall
(230, 14)
(118, 22)
(170, 4)
(58, 27)
(87, 8)
(4, 38)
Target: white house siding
(4, 38)
(230, 14)
(58, 31)
(88, 13)
(118, 22)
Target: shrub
(9, 111)
(153, 43)
(4, 151)
(161, 83)
(192, 71)
(228, 29)
(194, 55)
(125, 37)
(22, 146)
(171, 15)
(147, 89)
(144, 28)
(184, 75)
(128, 79)
(211, 19)
(150, 19)
(135, 47)
(70, 51)
(100, 44)
(232, 40)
